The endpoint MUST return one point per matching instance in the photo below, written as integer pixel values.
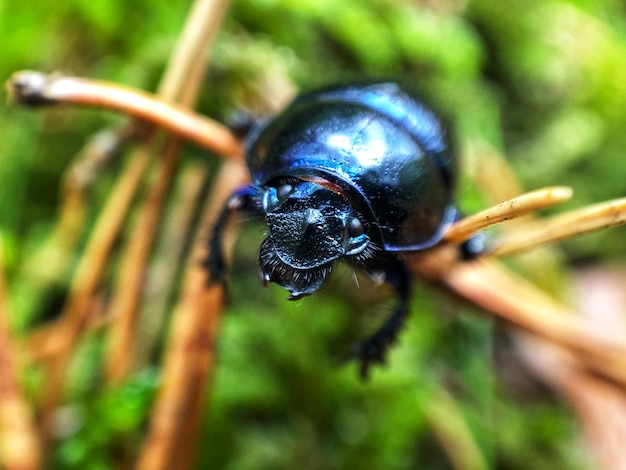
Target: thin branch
(161, 279)
(37, 89)
(560, 227)
(87, 279)
(189, 360)
(128, 291)
(600, 405)
(187, 65)
(507, 210)
(490, 286)
(19, 443)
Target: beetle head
(310, 225)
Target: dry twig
(189, 359)
(86, 281)
(507, 210)
(37, 89)
(19, 444)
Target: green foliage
(99, 428)
(542, 81)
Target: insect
(359, 172)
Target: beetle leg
(473, 247)
(374, 348)
(243, 199)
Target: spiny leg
(243, 199)
(395, 273)
(374, 348)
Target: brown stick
(19, 444)
(507, 210)
(87, 279)
(190, 351)
(189, 359)
(509, 297)
(560, 227)
(35, 88)
(161, 280)
(128, 292)
(600, 405)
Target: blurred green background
(541, 81)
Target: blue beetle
(360, 172)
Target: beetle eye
(283, 191)
(355, 227)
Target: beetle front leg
(245, 199)
(374, 348)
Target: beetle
(361, 172)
